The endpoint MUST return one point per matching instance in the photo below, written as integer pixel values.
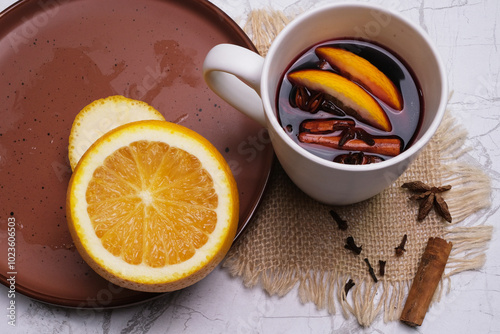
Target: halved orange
(152, 206)
(101, 116)
(351, 97)
(360, 70)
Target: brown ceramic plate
(58, 56)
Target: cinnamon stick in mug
(426, 280)
(384, 146)
(320, 126)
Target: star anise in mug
(301, 98)
(429, 197)
(312, 101)
(357, 158)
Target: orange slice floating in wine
(364, 73)
(351, 98)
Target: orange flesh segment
(151, 203)
(356, 102)
(363, 72)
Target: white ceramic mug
(250, 83)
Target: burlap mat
(293, 240)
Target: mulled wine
(350, 101)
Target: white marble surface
(467, 36)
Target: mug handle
(234, 73)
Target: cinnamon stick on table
(427, 278)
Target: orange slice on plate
(352, 99)
(361, 71)
(101, 116)
(152, 206)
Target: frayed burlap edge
(471, 193)
(367, 299)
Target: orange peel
(354, 100)
(361, 71)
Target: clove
(342, 224)
(401, 248)
(348, 286)
(346, 135)
(381, 267)
(364, 136)
(371, 271)
(351, 245)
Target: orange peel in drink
(361, 71)
(353, 99)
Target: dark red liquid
(405, 122)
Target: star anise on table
(429, 197)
